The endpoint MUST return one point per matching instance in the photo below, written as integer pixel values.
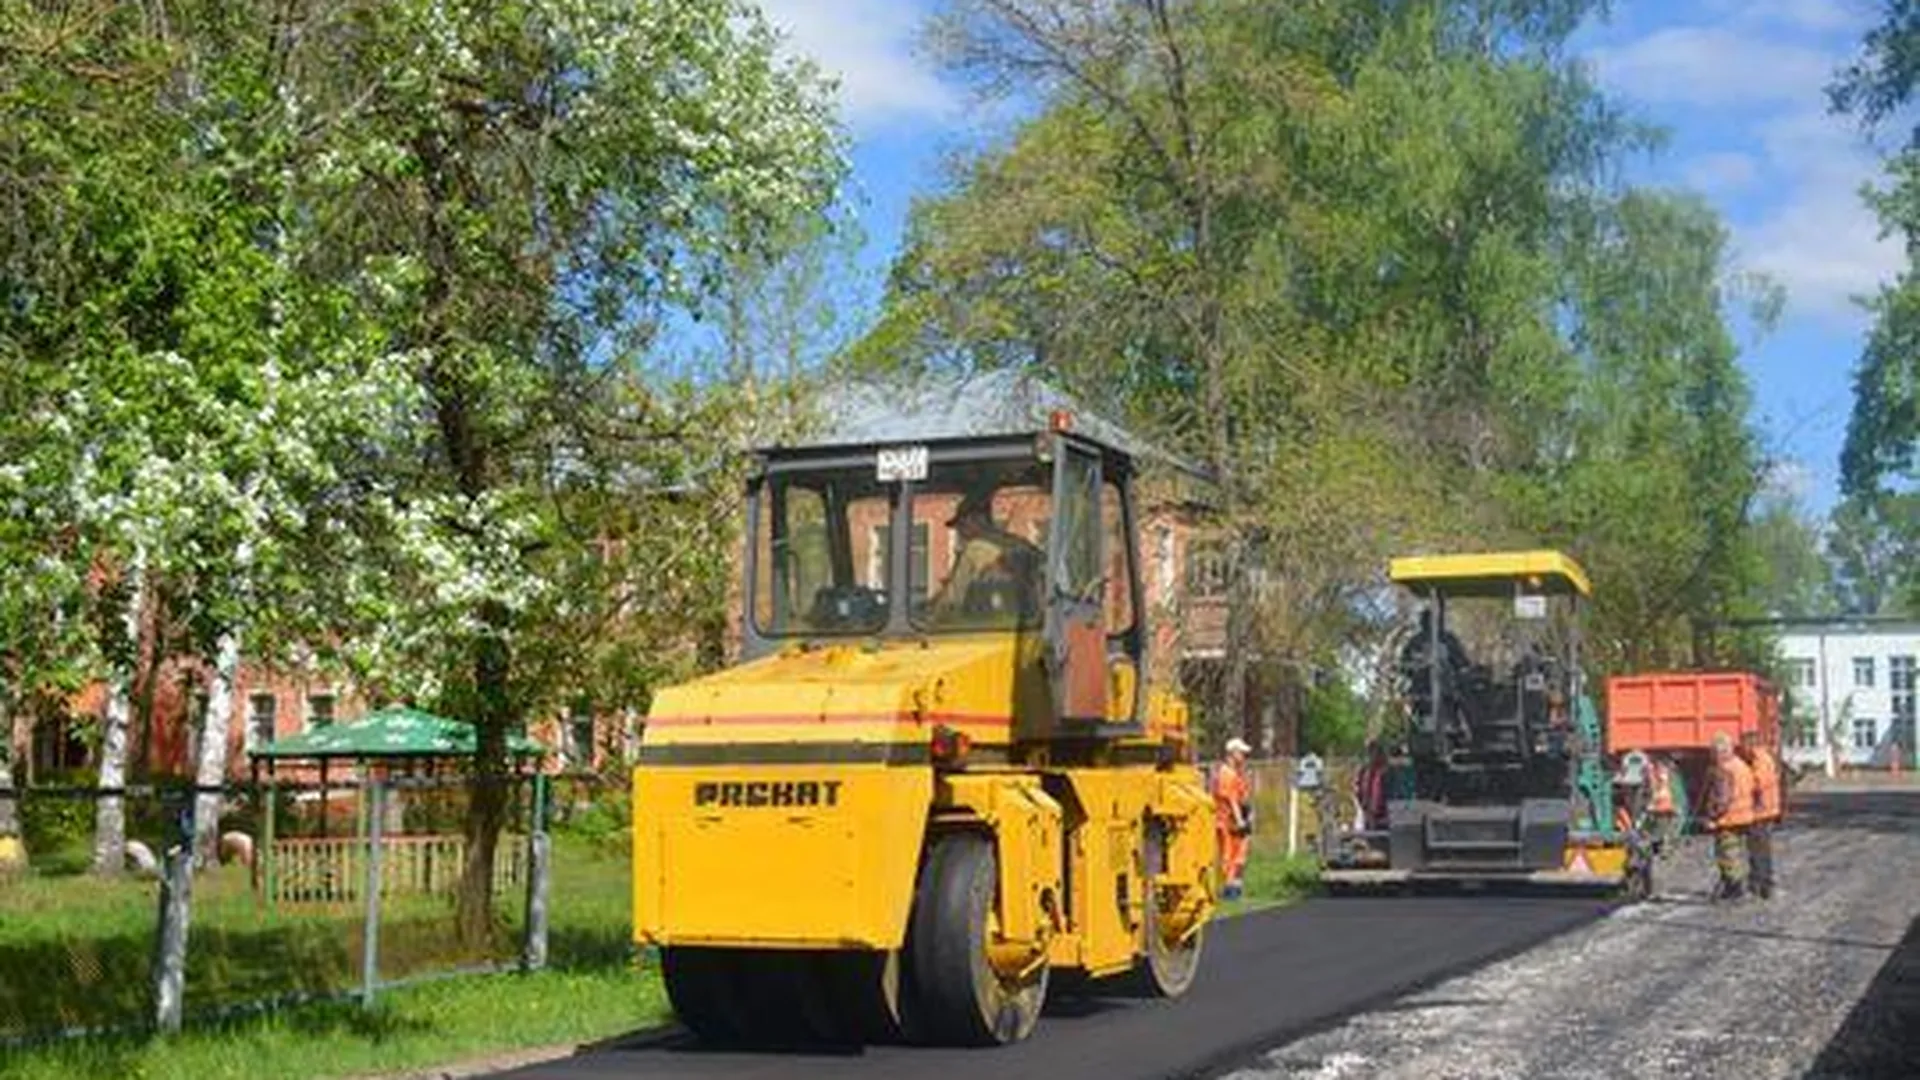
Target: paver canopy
(397, 732)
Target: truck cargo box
(1684, 711)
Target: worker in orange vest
(1661, 818)
(1766, 813)
(1729, 815)
(1233, 814)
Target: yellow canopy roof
(1494, 573)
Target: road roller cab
(939, 776)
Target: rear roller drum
(767, 997)
(699, 985)
(867, 997)
(957, 994)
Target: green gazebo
(397, 735)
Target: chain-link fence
(305, 891)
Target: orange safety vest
(1732, 794)
(1660, 798)
(1229, 793)
(1766, 785)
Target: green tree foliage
(1871, 546)
(1659, 474)
(1878, 464)
(1370, 256)
(1798, 579)
(552, 178)
(342, 323)
(169, 360)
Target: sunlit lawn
(594, 986)
(597, 986)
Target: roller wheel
(1167, 968)
(958, 997)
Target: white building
(1850, 691)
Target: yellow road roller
(937, 781)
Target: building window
(319, 711)
(1800, 673)
(261, 719)
(1206, 570)
(1866, 733)
(1863, 672)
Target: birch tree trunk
(13, 849)
(110, 814)
(109, 810)
(211, 771)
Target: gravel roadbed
(1674, 987)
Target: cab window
(818, 570)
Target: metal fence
(305, 893)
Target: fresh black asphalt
(1267, 977)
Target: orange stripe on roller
(801, 719)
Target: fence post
(1293, 821)
(370, 939)
(170, 954)
(271, 874)
(539, 851)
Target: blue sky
(1738, 83)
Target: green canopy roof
(396, 732)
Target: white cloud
(1788, 172)
(1812, 16)
(1819, 239)
(1824, 249)
(867, 45)
(1712, 66)
(1790, 479)
(1721, 172)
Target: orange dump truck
(1665, 723)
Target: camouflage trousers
(1730, 858)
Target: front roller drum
(1171, 952)
(957, 994)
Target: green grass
(1271, 880)
(596, 988)
(75, 952)
(417, 1026)
(99, 937)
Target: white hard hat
(1238, 746)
